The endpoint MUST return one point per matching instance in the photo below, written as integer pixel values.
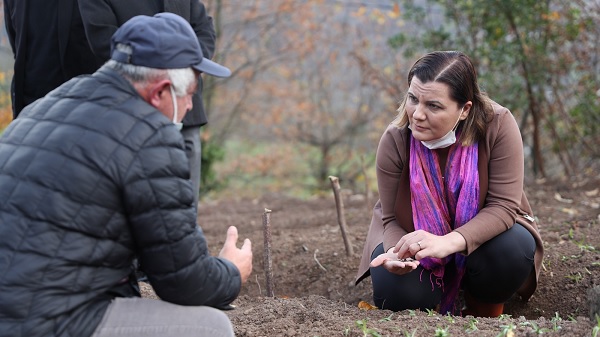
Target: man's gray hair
(182, 79)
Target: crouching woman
(453, 225)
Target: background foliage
(5, 102)
(539, 58)
(315, 82)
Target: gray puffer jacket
(92, 176)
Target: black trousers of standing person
(494, 272)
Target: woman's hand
(421, 244)
(394, 265)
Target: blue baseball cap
(162, 41)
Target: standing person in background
(101, 18)
(452, 214)
(49, 47)
(93, 175)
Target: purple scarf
(440, 205)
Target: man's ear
(156, 93)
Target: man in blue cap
(94, 175)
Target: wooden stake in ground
(268, 260)
(339, 205)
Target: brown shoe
(477, 308)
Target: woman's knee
(508, 250)
(500, 266)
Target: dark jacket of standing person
(91, 175)
(49, 47)
(101, 18)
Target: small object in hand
(408, 259)
(419, 244)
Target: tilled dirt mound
(314, 286)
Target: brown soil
(314, 279)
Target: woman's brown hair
(456, 70)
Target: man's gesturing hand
(241, 258)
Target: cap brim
(212, 68)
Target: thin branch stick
(268, 261)
(258, 284)
(339, 205)
(317, 261)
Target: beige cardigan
(502, 201)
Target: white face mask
(178, 125)
(447, 140)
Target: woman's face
(431, 111)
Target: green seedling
(546, 265)
(571, 234)
(536, 329)
(576, 277)
(412, 313)
(387, 319)
(410, 334)
(449, 318)
(471, 326)
(441, 332)
(430, 312)
(555, 322)
(564, 258)
(362, 325)
(507, 330)
(596, 329)
(583, 247)
(504, 317)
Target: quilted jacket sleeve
(171, 247)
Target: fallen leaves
(570, 211)
(366, 306)
(592, 193)
(558, 197)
